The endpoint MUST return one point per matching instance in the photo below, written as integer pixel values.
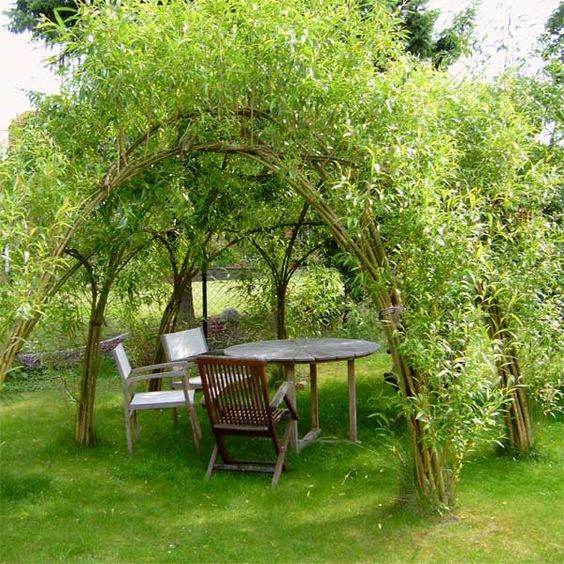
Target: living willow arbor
(400, 164)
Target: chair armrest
(179, 364)
(280, 394)
(187, 360)
(172, 374)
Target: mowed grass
(336, 504)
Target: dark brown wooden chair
(237, 402)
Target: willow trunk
(84, 425)
(14, 343)
(186, 313)
(432, 472)
(281, 313)
(433, 482)
(517, 415)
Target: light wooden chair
(237, 403)
(136, 401)
(185, 346)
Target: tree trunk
(22, 329)
(14, 343)
(186, 315)
(281, 313)
(517, 416)
(166, 325)
(84, 427)
(433, 480)
(181, 286)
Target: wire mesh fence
(217, 290)
(220, 304)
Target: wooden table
(290, 352)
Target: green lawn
(336, 504)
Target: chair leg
(196, 430)
(279, 466)
(220, 443)
(174, 416)
(212, 462)
(128, 432)
(136, 422)
(276, 443)
(281, 461)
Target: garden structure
(185, 130)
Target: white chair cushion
(155, 400)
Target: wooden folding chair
(237, 403)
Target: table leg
(315, 431)
(314, 397)
(290, 376)
(352, 401)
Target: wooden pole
(353, 434)
(205, 299)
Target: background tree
(422, 39)
(283, 250)
(27, 15)
(550, 88)
(204, 208)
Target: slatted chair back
(184, 344)
(237, 403)
(236, 392)
(123, 364)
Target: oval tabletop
(304, 350)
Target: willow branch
(269, 262)
(292, 241)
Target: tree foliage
(28, 15)
(550, 91)
(417, 20)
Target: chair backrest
(236, 391)
(124, 367)
(184, 344)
